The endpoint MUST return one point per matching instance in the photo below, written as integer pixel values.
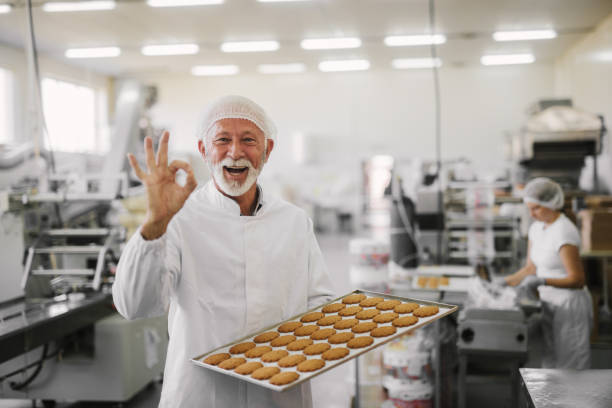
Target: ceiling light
(5, 8)
(416, 63)
(330, 43)
(344, 65)
(182, 3)
(280, 1)
(411, 40)
(214, 70)
(172, 49)
(524, 35)
(249, 46)
(507, 59)
(281, 68)
(78, 6)
(100, 52)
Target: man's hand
(165, 196)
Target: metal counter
(548, 388)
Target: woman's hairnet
(237, 107)
(545, 192)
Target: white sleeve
(320, 288)
(146, 275)
(568, 235)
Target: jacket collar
(224, 203)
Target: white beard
(234, 188)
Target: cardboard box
(598, 201)
(596, 229)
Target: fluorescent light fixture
(100, 52)
(171, 49)
(249, 46)
(78, 6)
(344, 65)
(413, 40)
(416, 63)
(524, 35)
(330, 43)
(182, 3)
(281, 68)
(5, 8)
(509, 59)
(280, 1)
(215, 70)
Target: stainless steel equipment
(493, 330)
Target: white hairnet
(237, 107)
(545, 192)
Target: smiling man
(223, 261)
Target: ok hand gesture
(165, 196)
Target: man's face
(236, 151)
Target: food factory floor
(334, 388)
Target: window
(6, 106)
(70, 112)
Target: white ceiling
(468, 25)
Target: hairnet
(237, 107)
(545, 192)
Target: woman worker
(553, 268)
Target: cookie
(360, 342)
(311, 317)
(257, 351)
(444, 281)
(405, 321)
(388, 304)
(216, 358)
(385, 317)
(322, 334)
(289, 327)
(316, 348)
(364, 327)
(306, 330)
(422, 281)
(310, 365)
(333, 307)
(345, 324)
(284, 378)
(369, 302)
(355, 298)
(264, 373)
(335, 353)
(232, 363)
(291, 360)
(405, 307)
(383, 331)
(425, 311)
(248, 368)
(433, 282)
(282, 340)
(265, 337)
(367, 314)
(275, 355)
(341, 337)
(299, 344)
(329, 320)
(242, 347)
(350, 311)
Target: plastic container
(408, 394)
(369, 252)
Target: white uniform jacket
(221, 276)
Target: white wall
(359, 114)
(584, 73)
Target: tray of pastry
(304, 346)
(451, 284)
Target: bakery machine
(556, 140)
(60, 335)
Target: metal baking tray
(445, 310)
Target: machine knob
(467, 335)
(520, 337)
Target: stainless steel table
(548, 388)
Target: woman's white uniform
(220, 277)
(567, 313)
